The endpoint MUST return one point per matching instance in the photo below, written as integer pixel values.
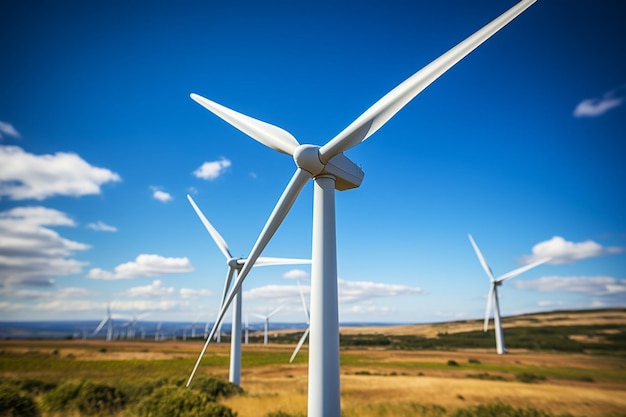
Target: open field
(375, 381)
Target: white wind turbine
(266, 320)
(234, 265)
(492, 298)
(308, 326)
(331, 170)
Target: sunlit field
(378, 377)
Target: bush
(64, 396)
(216, 387)
(452, 363)
(100, 398)
(529, 378)
(14, 404)
(35, 386)
(498, 410)
(171, 401)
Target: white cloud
(161, 195)
(598, 285)
(30, 253)
(562, 251)
(7, 129)
(597, 106)
(193, 293)
(349, 292)
(366, 308)
(212, 170)
(145, 265)
(296, 274)
(356, 291)
(28, 176)
(99, 226)
(155, 289)
(60, 294)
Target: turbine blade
(481, 258)
(259, 316)
(275, 311)
(101, 325)
(269, 135)
(524, 268)
(217, 238)
(385, 108)
(300, 343)
(285, 202)
(265, 261)
(488, 309)
(227, 282)
(306, 310)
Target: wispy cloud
(155, 289)
(296, 274)
(7, 129)
(349, 292)
(159, 194)
(597, 106)
(193, 293)
(598, 285)
(99, 226)
(28, 176)
(212, 170)
(562, 251)
(145, 265)
(31, 253)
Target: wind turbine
(331, 170)
(493, 293)
(234, 265)
(308, 326)
(107, 319)
(266, 319)
(247, 327)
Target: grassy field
(587, 378)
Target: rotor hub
(307, 158)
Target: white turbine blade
(265, 261)
(524, 268)
(101, 325)
(259, 316)
(229, 278)
(306, 310)
(300, 343)
(269, 135)
(275, 311)
(217, 238)
(281, 209)
(385, 108)
(481, 258)
(488, 309)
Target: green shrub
(529, 378)
(100, 399)
(498, 410)
(63, 396)
(474, 361)
(216, 387)
(35, 386)
(172, 401)
(452, 363)
(15, 404)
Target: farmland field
(378, 377)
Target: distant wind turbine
(493, 293)
(308, 326)
(266, 319)
(234, 265)
(331, 169)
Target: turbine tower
(234, 265)
(331, 170)
(492, 298)
(266, 320)
(308, 326)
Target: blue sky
(521, 144)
